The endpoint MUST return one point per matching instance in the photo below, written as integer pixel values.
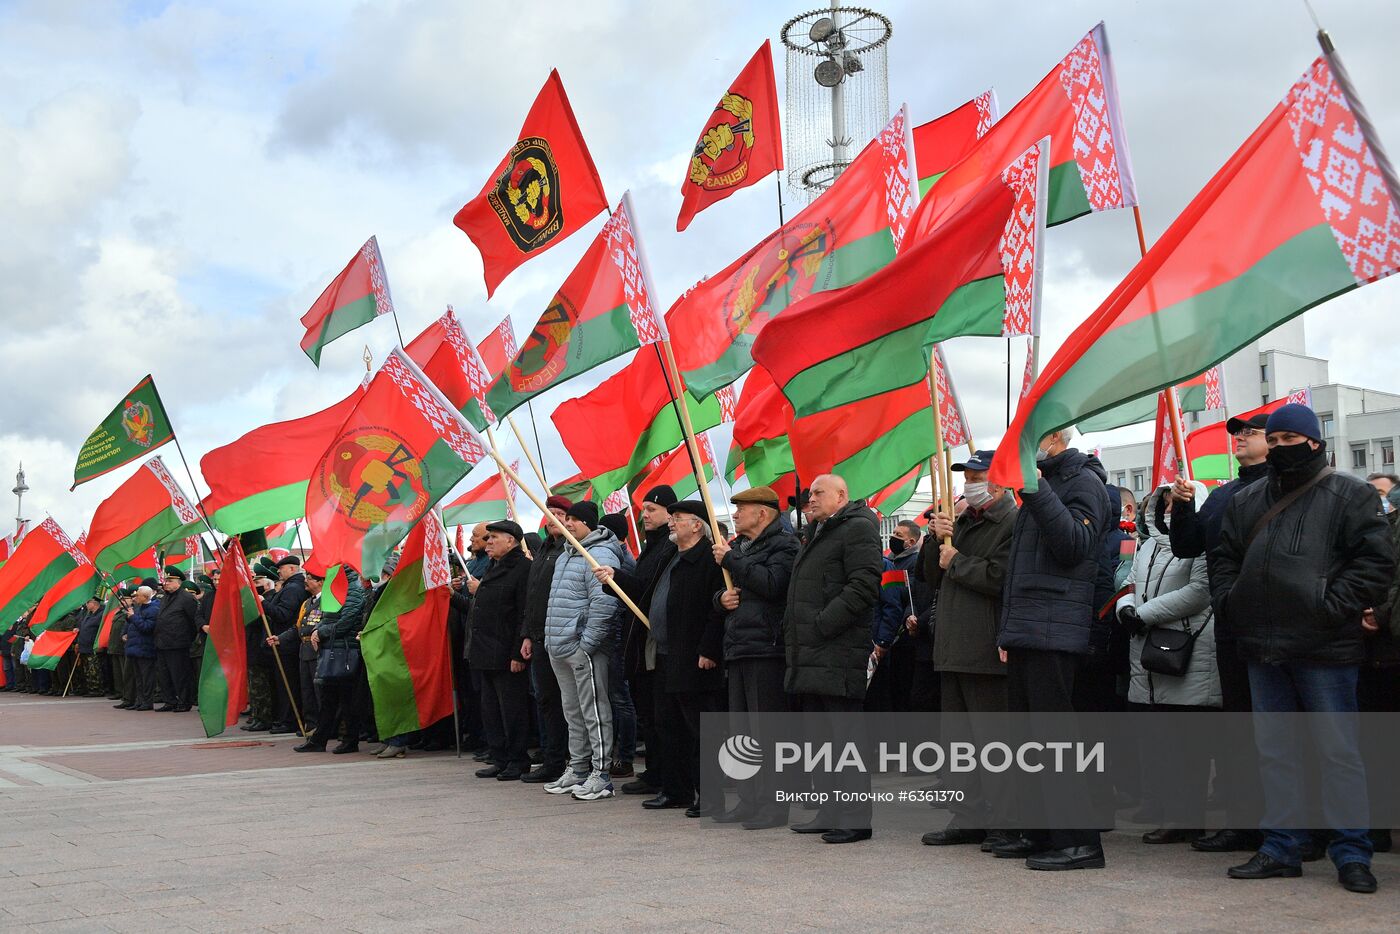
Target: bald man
(826, 628)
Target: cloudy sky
(178, 181)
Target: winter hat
(616, 523)
(661, 495)
(1296, 418)
(585, 512)
(506, 526)
(559, 502)
(290, 559)
(691, 507)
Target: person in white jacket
(1171, 593)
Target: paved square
(122, 821)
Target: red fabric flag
(1164, 460)
(357, 296)
(223, 674)
(498, 348)
(142, 512)
(448, 358)
(942, 143)
(543, 190)
(741, 143)
(950, 410)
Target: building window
(1329, 426)
(1388, 455)
(1137, 481)
(1331, 458)
(1263, 372)
(1120, 478)
(1358, 458)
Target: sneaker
(597, 786)
(565, 783)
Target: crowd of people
(1284, 580)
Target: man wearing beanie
(1302, 554)
(639, 648)
(554, 730)
(578, 637)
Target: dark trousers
(678, 718)
(891, 686)
(341, 697)
(282, 698)
(554, 730)
(988, 801)
(825, 713)
(756, 686)
(107, 674)
(124, 678)
(1236, 764)
(925, 693)
(143, 679)
(310, 697)
(173, 676)
(505, 718)
(642, 683)
(1043, 682)
(1176, 776)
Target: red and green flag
(615, 430)
(9, 543)
(1304, 211)
(109, 614)
(50, 647)
(1076, 106)
(1211, 451)
(283, 534)
(893, 497)
(942, 143)
(1193, 395)
(223, 669)
(759, 447)
(1165, 463)
(135, 428)
(402, 448)
(354, 298)
(404, 644)
(498, 348)
(543, 190)
(604, 309)
(261, 478)
(143, 511)
(44, 558)
(741, 143)
(450, 361)
(672, 469)
(848, 233)
(70, 592)
(576, 488)
(489, 501)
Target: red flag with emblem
(1164, 460)
(544, 189)
(742, 142)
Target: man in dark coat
(140, 639)
(123, 684)
(282, 609)
(493, 651)
(892, 683)
(341, 697)
(639, 648)
(826, 631)
(1046, 621)
(554, 730)
(688, 626)
(176, 626)
(970, 572)
(760, 564)
(1302, 555)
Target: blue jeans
(624, 712)
(1300, 686)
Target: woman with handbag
(1172, 668)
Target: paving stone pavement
(117, 821)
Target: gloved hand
(1128, 616)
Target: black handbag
(1167, 651)
(338, 661)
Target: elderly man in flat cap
(493, 651)
(282, 608)
(176, 626)
(760, 563)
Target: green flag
(135, 428)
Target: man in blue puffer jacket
(579, 631)
(140, 637)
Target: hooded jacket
(1171, 592)
(580, 611)
(1054, 562)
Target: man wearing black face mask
(1302, 554)
(893, 681)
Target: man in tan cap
(760, 563)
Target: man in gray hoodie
(578, 635)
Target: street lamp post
(20, 489)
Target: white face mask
(1041, 454)
(977, 494)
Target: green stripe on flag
(342, 321)
(212, 691)
(599, 339)
(32, 592)
(381, 646)
(896, 452)
(145, 535)
(267, 507)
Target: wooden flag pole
(1173, 405)
(77, 660)
(694, 448)
(277, 657)
(539, 471)
(945, 492)
(568, 536)
(510, 503)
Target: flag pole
(945, 499)
(538, 468)
(277, 657)
(568, 536)
(1173, 406)
(77, 660)
(510, 502)
(535, 430)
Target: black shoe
(1227, 841)
(765, 823)
(478, 757)
(702, 810)
(1018, 848)
(343, 748)
(165, 708)
(1169, 835)
(640, 787)
(663, 802)
(433, 745)
(253, 726)
(1356, 877)
(279, 728)
(847, 836)
(996, 838)
(491, 771)
(953, 836)
(1263, 866)
(122, 706)
(621, 770)
(1074, 857)
(142, 707)
(540, 775)
(511, 773)
(734, 816)
(183, 708)
(818, 825)
(310, 746)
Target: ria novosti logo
(740, 757)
